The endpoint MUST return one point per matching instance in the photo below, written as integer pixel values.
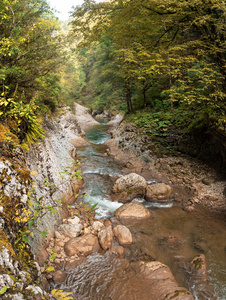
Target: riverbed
(172, 236)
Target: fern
(60, 295)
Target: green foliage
(155, 124)
(30, 55)
(3, 290)
(175, 48)
(25, 115)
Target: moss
(7, 136)
(4, 243)
(177, 293)
(197, 263)
(24, 174)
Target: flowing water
(171, 236)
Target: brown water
(171, 236)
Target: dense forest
(163, 62)
(161, 55)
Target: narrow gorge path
(171, 236)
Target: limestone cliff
(21, 171)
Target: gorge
(180, 244)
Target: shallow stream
(172, 236)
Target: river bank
(204, 185)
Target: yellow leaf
(34, 173)
(60, 295)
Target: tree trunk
(145, 100)
(128, 98)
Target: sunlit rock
(97, 225)
(106, 236)
(135, 210)
(83, 245)
(123, 235)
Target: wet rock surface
(158, 191)
(132, 210)
(163, 281)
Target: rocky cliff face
(49, 158)
(19, 172)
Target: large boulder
(84, 118)
(158, 191)
(106, 237)
(134, 210)
(123, 235)
(163, 281)
(69, 230)
(128, 187)
(84, 245)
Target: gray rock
(116, 120)
(97, 225)
(6, 280)
(70, 230)
(18, 296)
(74, 221)
(35, 289)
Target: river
(171, 236)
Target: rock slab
(163, 281)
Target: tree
(30, 45)
(30, 53)
(181, 41)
